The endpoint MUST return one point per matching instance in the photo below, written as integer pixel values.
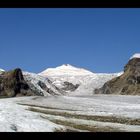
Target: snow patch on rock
(136, 55)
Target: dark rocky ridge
(69, 86)
(126, 84)
(12, 84)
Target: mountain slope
(128, 82)
(41, 85)
(19, 83)
(81, 81)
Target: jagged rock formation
(13, 84)
(41, 85)
(127, 83)
(67, 86)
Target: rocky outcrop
(40, 85)
(13, 84)
(69, 86)
(44, 87)
(127, 83)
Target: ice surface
(118, 105)
(14, 118)
(121, 106)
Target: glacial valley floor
(96, 113)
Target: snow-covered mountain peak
(65, 69)
(136, 55)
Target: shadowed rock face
(127, 83)
(13, 84)
(69, 86)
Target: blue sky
(100, 40)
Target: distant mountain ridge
(71, 80)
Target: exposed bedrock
(127, 83)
